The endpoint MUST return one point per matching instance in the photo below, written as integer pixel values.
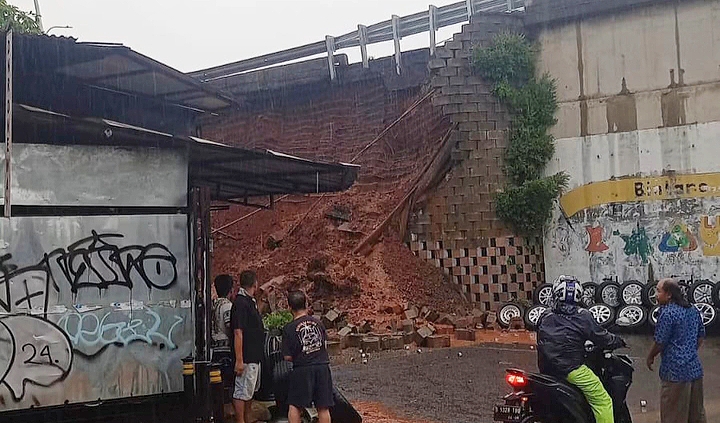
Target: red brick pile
(317, 256)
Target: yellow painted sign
(640, 189)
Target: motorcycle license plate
(507, 413)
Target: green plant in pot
(274, 322)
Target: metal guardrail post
(330, 46)
(362, 37)
(470, 8)
(433, 28)
(396, 40)
(510, 5)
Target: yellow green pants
(595, 392)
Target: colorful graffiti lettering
(595, 243)
(637, 243)
(710, 235)
(679, 238)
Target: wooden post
(433, 28)
(396, 40)
(362, 36)
(330, 45)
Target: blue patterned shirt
(678, 330)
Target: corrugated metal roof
(114, 67)
(230, 172)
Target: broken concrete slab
(423, 333)
(408, 326)
(353, 340)
(517, 323)
(409, 337)
(334, 347)
(465, 334)
(438, 341)
(464, 322)
(444, 329)
(347, 330)
(432, 316)
(392, 342)
(366, 327)
(370, 344)
(412, 313)
(446, 319)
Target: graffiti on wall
(678, 238)
(32, 350)
(595, 239)
(90, 334)
(41, 329)
(637, 243)
(710, 235)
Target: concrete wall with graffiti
(94, 307)
(638, 200)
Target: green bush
(509, 63)
(277, 319)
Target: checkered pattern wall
(507, 268)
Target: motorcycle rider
(562, 333)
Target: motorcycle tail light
(516, 380)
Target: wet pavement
(442, 386)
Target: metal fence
(394, 29)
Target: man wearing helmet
(562, 333)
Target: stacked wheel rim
(707, 313)
(701, 292)
(588, 295)
(631, 293)
(603, 314)
(631, 316)
(507, 312)
(608, 293)
(532, 315)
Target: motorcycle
(538, 398)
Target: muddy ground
(443, 387)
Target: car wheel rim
(707, 312)
(508, 312)
(535, 313)
(601, 313)
(609, 296)
(654, 315)
(652, 296)
(545, 295)
(703, 293)
(633, 314)
(588, 297)
(632, 294)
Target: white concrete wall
(569, 246)
(590, 58)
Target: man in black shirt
(248, 336)
(304, 345)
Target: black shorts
(311, 385)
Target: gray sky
(195, 34)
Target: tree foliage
(510, 64)
(13, 18)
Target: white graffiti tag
(91, 334)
